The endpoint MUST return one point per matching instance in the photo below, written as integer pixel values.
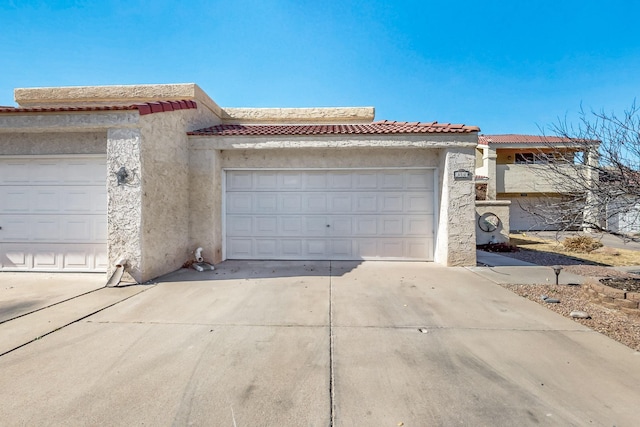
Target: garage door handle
(327, 226)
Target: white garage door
(53, 214)
(330, 214)
(520, 218)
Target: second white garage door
(53, 214)
(330, 214)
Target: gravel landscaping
(613, 323)
(610, 322)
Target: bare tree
(594, 170)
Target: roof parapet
(116, 95)
(299, 116)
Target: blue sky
(506, 66)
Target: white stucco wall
(501, 209)
(124, 208)
(456, 233)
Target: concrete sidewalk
(322, 343)
(505, 270)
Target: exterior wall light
(122, 175)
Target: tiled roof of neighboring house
(379, 127)
(144, 108)
(520, 139)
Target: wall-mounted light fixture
(122, 175)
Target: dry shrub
(583, 244)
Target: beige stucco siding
(165, 198)
(205, 201)
(329, 158)
(53, 143)
(456, 210)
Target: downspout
(121, 266)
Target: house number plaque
(462, 175)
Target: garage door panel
(14, 172)
(391, 226)
(420, 181)
(46, 200)
(290, 203)
(239, 203)
(265, 203)
(315, 248)
(51, 257)
(84, 172)
(291, 247)
(419, 225)
(53, 199)
(334, 214)
(366, 203)
(365, 180)
(340, 225)
(266, 181)
(315, 226)
(340, 203)
(418, 203)
(315, 181)
(265, 226)
(53, 214)
(340, 181)
(391, 203)
(366, 226)
(341, 248)
(392, 181)
(15, 256)
(239, 181)
(15, 228)
(240, 247)
(315, 203)
(265, 248)
(14, 200)
(240, 225)
(290, 181)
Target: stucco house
(144, 175)
(516, 168)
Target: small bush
(583, 244)
(497, 247)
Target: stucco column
(124, 201)
(591, 210)
(489, 157)
(205, 201)
(456, 240)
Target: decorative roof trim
(143, 108)
(376, 128)
(522, 139)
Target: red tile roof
(144, 108)
(520, 139)
(379, 127)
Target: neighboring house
(516, 168)
(147, 174)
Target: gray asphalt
(316, 343)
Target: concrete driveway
(318, 344)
